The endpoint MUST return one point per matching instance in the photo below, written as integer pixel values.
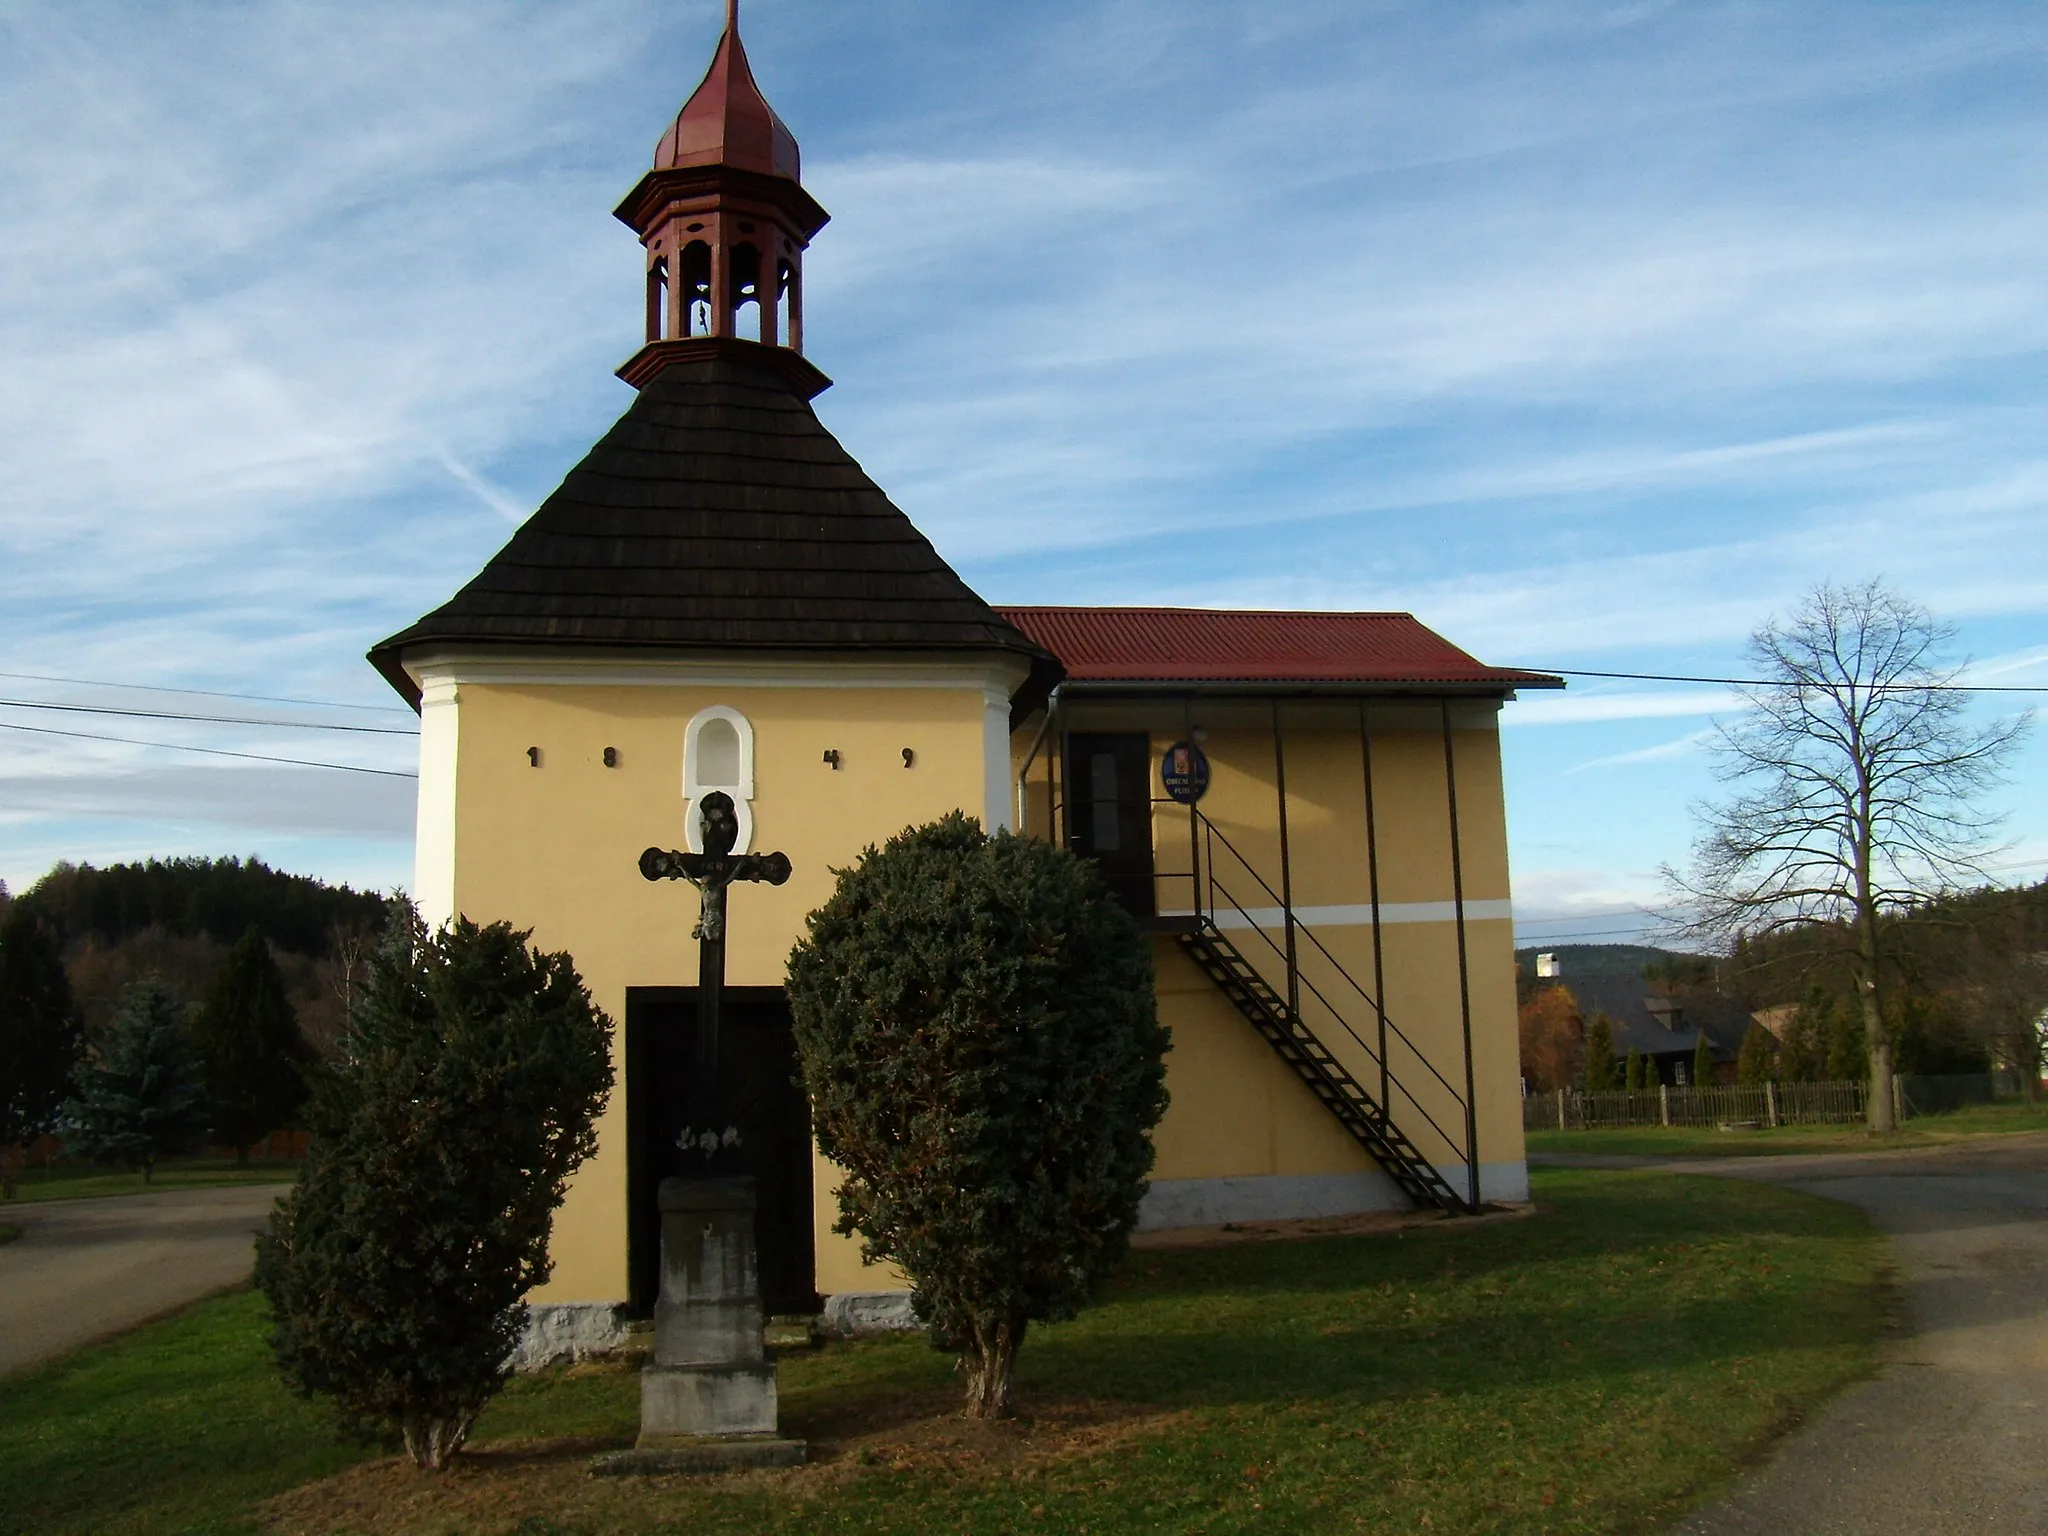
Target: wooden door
(1109, 810)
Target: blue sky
(1592, 334)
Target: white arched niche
(718, 753)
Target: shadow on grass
(1473, 1371)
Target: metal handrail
(1406, 1093)
(1212, 835)
(1336, 965)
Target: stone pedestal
(707, 1401)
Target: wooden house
(1304, 809)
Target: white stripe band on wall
(1355, 914)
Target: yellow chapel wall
(555, 848)
(1238, 1113)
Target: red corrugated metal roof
(1224, 646)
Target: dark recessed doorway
(758, 1073)
(1109, 811)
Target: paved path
(1951, 1436)
(84, 1269)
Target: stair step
(1319, 1068)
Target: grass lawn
(1969, 1124)
(1594, 1369)
(193, 1173)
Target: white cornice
(993, 675)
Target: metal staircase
(1327, 1077)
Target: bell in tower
(725, 222)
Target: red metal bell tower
(725, 222)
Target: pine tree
(1848, 1048)
(1755, 1063)
(248, 1033)
(144, 1098)
(38, 1034)
(472, 1076)
(1702, 1062)
(1804, 1058)
(1601, 1071)
(1632, 1076)
(979, 1038)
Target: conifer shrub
(248, 1033)
(1632, 1076)
(1703, 1063)
(975, 1021)
(141, 1095)
(1601, 1069)
(1756, 1063)
(472, 1074)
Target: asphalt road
(1951, 1436)
(84, 1269)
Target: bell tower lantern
(725, 222)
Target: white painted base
(568, 1331)
(857, 1314)
(1292, 1197)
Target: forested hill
(217, 899)
(1595, 959)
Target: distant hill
(217, 899)
(174, 920)
(1596, 959)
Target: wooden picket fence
(1762, 1104)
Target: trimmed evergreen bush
(1632, 1077)
(38, 1033)
(1703, 1063)
(248, 1034)
(143, 1097)
(977, 1030)
(474, 1069)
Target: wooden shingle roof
(718, 514)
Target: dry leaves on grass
(497, 1485)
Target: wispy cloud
(1664, 751)
(1582, 330)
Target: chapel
(1304, 810)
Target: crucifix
(711, 871)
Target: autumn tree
(1855, 784)
(1552, 1038)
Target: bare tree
(1856, 778)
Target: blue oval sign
(1185, 772)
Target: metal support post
(1286, 866)
(1464, 969)
(1372, 875)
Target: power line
(1779, 682)
(203, 693)
(160, 714)
(173, 746)
(1587, 917)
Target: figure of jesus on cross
(712, 871)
